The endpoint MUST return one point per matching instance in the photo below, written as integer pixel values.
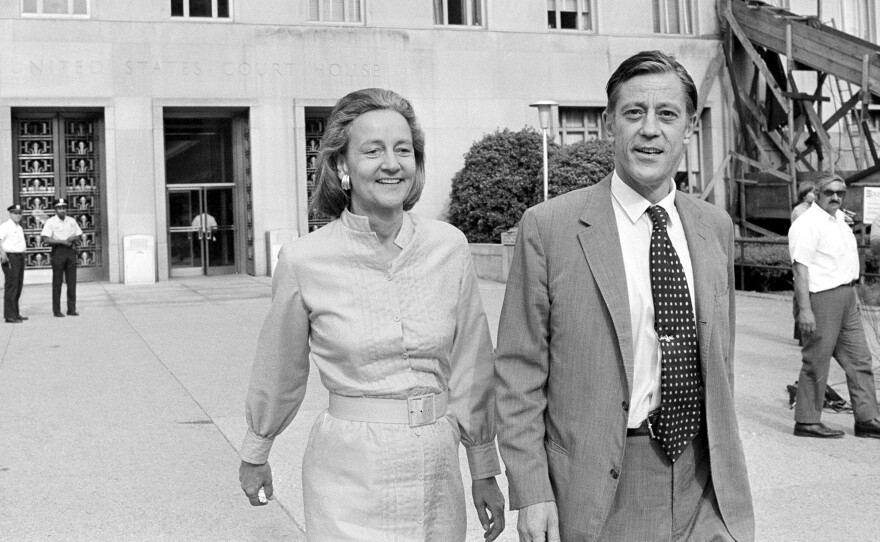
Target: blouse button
(397, 318)
(614, 474)
(405, 355)
(389, 276)
(420, 476)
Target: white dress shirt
(12, 237)
(827, 246)
(634, 227)
(55, 228)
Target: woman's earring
(346, 182)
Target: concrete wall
(133, 59)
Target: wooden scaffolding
(781, 134)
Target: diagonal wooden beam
(840, 113)
(756, 60)
(708, 81)
(718, 175)
(813, 118)
(758, 165)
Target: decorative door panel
(58, 157)
(316, 122)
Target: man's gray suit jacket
(564, 364)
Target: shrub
(581, 164)
(765, 267)
(503, 176)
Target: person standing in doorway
(12, 249)
(63, 234)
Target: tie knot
(658, 216)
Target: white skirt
(371, 482)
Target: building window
(458, 12)
(570, 15)
(673, 17)
(339, 11)
(55, 7)
(580, 124)
(210, 9)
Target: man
(62, 233)
(825, 262)
(12, 249)
(590, 437)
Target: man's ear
(608, 122)
(692, 124)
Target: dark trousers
(657, 500)
(63, 268)
(13, 273)
(839, 333)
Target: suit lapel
(695, 232)
(600, 242)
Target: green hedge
(777, 276)
(503, 176)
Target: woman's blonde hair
(329, 198)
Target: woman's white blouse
(413, 326)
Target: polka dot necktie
(680, 378)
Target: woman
(386, 305)
(806, 196)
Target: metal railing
(741, 262)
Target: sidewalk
(123, 423)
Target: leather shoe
(13, 321)
(816, 430)
(59, 315)
(20, 317)
(72, 313)
(869, 429)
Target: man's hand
(539, 523)
(490, 507)
(806, 321)
(253, 478)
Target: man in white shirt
(584, 405)
(825, 262)
(12, 249)
(63, 234)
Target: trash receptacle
(139, 253)
(275, 239)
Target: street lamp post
(544, 108)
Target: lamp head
(544, 109)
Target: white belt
(414, 411)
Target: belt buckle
(421, 410)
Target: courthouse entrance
(207, 179)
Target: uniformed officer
(63, 234)
(12, 249)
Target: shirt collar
(837, 217)
(360, 223)
(635, 205)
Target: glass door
(201, 230)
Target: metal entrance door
(201, 229)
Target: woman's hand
(490, 507)
(253, 478)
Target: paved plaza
(122, 424)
